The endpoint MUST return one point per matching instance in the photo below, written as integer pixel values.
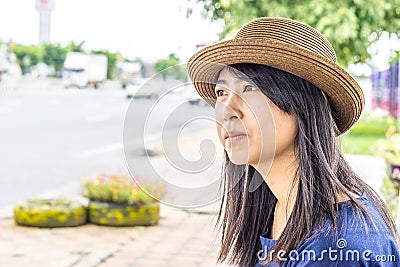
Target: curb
(72, 190)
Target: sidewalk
(182, 237)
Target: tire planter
(44, 213)
(114, 214)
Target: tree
(73, 47)
(350, 25)
(28, 56)
(111, 62)
(170, 68)
(54, 55)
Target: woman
(280, 102)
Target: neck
(280, 179)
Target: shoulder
(356, 243)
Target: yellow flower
(390, 131)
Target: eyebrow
(222, 82)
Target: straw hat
(287, 45)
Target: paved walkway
(182, 238)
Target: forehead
(229, 75)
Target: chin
(237, 158)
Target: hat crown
(288, 31)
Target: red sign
(45, 5)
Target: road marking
(150, 140)
(97, 118)
(102, 150)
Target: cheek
(220, 132)
(286, 130)
(218, 122)
(262, 143)
(253, 122)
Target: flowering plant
(120, 189)
(395, 175)
(391, 146)
(50, 203)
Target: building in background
(45, 7)
(385, 89)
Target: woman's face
(250, 127)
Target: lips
(233, 136)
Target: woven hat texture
(287, 45)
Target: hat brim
(344, 93)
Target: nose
(230, 108)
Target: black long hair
(322, 175)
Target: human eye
(219, 91)
(249, 87)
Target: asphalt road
(51, 136)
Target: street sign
(45, 5)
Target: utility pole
(45, 7)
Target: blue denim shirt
(353, 246)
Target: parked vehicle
(152, 87)
(191, 96)
(84, 70)
(129, 72)
(133, 87)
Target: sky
(150, 29)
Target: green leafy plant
(390, 147)
(121, 189)
(351, 26)
(390, 195)
(363, 137)
(51, 202)
(170, 68)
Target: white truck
(84, 70)
(129, 72)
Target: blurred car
(191, 96)
(133, 87)
(195, 99)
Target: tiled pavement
(181, 238)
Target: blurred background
(69, 68)
(65, 67)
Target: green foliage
(389, 148)
(373, 126)
(73, 47)
(50, 202)
(54, 55)
(111, 62)
(170, 68)
(350, 25)
(28, 56)
(364, 137)
(390, 195)
(358, 144)
(118, 189)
